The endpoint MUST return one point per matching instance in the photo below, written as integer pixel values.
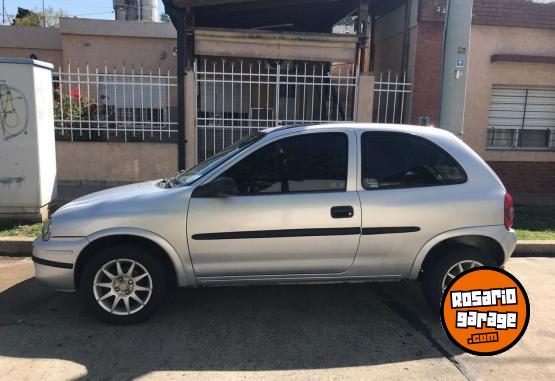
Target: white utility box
(27, 142)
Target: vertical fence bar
(215, 108)
(124, 88)
(347, 89)
(169, 107)
(402, 117)
(287, 94)
(133, 100)
(160, 100)
(338, 98)
(232, 103)
(88, 101)
(107, 116)
(278, 81)
(142, 101)
(241, 100)
(70, 100)
(78, 96)
(296, 92)
(151, 102)
(97, 81)
(356, 82)
(61, 95)
(379, 97)
(115, 87)
(330, 94)
(321, 93)
(312, 95)
(395, 95)
(387, 96)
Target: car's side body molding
(317, 232)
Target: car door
(295, 210)
(411, 190)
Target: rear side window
(305, 163)
(397, 160)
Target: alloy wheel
(457, 269)
(122, 287)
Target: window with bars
(521, 117)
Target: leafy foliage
(50, 18)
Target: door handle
(342, 212)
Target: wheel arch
(165, 252)
(485, 241)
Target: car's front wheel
(123, 284)
(441, 272)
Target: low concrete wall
(115, 162)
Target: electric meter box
(27, 141)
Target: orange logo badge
(485, 311)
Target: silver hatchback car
(329, 203)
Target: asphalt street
(316, 332)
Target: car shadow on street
(225, 329)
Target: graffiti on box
(14, 116)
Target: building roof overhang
(292, 15)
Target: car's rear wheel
(441, 272)
(123, 284)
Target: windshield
(192, 175)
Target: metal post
(455, 65)
(181, 63)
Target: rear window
(396, 160)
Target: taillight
(509, 211)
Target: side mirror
(221, 187)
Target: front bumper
(55, 261)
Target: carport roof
(295, 15)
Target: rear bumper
(509, 242)
(55, 262)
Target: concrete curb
(16, 246)
(23, 247)
(526, 249)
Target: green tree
(164, 17)
(50, 18)
(27, 17)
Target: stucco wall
(115, 162)
(488, 40)
(115, 50)
(47, 55)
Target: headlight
(47, 230)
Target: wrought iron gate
(237, 97)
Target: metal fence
(236, 98)
(115, 105)
(391, 97)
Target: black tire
(435, 272)
(157, 282)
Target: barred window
(521, 117)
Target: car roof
(419, 130)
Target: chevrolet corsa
(331, 203)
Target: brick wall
(427, 73)
(432, 10)
(526, 177)
(429, 42)
(515, 13)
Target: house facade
(248, 65)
